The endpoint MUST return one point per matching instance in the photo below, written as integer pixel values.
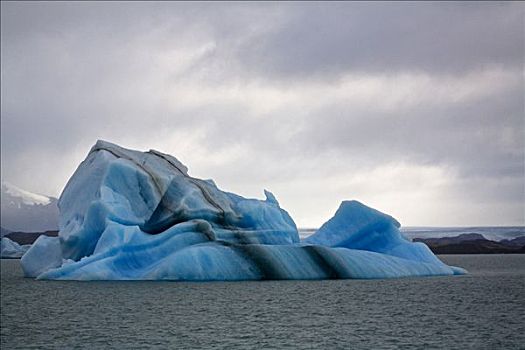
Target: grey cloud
(481, 138)
(319, 40)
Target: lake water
(483, 310)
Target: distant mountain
(520, 241)
(3, 231)
(494, 233)
(25, 211)
(464, 237)
(23, 238)
(473, 243)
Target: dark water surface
(484, 310)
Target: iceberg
(44, 254)
(12, 250)
(130, 215)
(356, 226)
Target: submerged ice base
(129, 215)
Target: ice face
(43, 255)
(139, 215)
(153, 191)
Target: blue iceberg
(130, 215)
(11, 250)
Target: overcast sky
(416, 109)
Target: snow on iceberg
(11, 250)
(129, 215)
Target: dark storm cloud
(332, 88)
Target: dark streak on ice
(317, 256)
(152, 225)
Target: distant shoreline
(481, 246)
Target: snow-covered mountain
(22, 210)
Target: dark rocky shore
(473, 244)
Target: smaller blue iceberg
(11, 250)
(130, 215)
